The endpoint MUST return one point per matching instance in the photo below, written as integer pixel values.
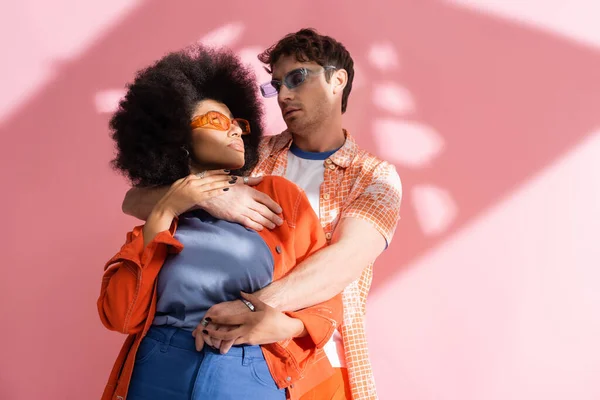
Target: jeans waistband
(183, 339)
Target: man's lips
(289, 110)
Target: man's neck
(321, 139)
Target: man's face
(308, 104)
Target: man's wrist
(297, 328)
(268, 295)
(202, 204)
(242, 306)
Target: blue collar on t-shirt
(308, 155)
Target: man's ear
(339, 80)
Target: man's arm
(139, 202)
(355, 244)
(242, 204)
(366, 227)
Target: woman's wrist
(160, 219)
(161, 212)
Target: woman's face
(213, 148)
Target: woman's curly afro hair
(151, 127)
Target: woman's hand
(187, 192)
(182, 196)
(264, 325)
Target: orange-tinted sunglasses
(218, 121)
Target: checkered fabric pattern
(357, 185)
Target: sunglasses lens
(218, 120)
(243, 124)
(268, 90)
(294, 78)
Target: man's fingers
(217, 190)
(216, 342)
(266, 213)
(224, 335)
(259, 219)
(253, 181)
(206, 338)
(207, 195)
(249, 223)
(267, 201)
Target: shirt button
(289, 378)
(326, 196)
(328, 235)
(331, 166)
(328, 161)
(278, 249)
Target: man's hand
(140, 202)
(185, 193)
(226, 308)
(246, 206)
(264, 325)
(202, 339)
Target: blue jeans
(168, 367)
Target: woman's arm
(129, 280)
(241, 204)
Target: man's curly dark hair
(308, 45)
(151, 127)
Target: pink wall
(489, 111)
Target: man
(356, 196)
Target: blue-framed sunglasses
(291, 80)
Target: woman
(187, 121)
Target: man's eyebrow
(273, 78)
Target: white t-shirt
(307, 170)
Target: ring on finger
(246, 180)
(201, 175)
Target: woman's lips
(239, 146)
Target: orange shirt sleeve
(129, 280)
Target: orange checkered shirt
(357, 185)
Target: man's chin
(293, 124)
